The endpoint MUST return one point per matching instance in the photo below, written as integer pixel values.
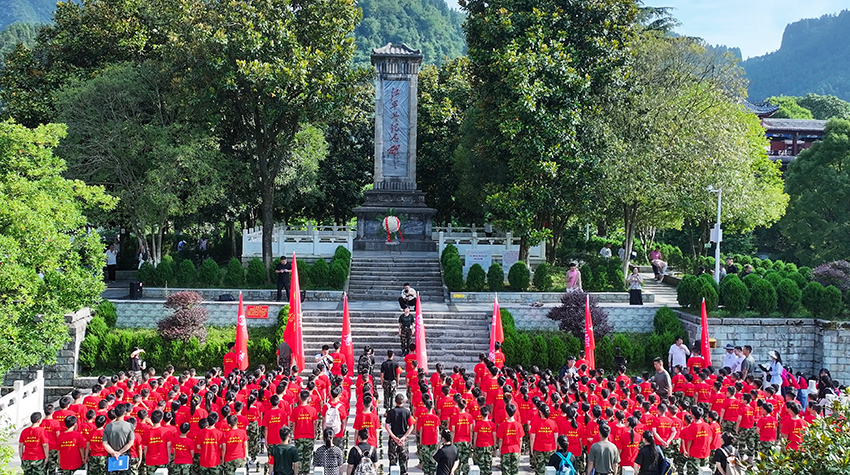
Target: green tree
(42, 231)
(18, 33)
(259, 71)
(825, 107)
(819, 184)
(535, 66)
(789, 108)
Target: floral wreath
(391, 224)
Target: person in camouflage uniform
(510, 464)
(229, 467)
(34, 467)
(305, 452)
(483, 458)
(464, 450)
(429, 465)
(254, 443)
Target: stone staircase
(453, 338)
(381, 276)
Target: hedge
(734, 294)
(763, 297)
(476, 279)
(449, 252)
(666, 321)
(495, 278)
(519, 277)
(319, 274)
(788, 297)
(543, 277)
(453, 273)
(257, 274)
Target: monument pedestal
(409, 206)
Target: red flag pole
(421, 350)
(705, 346)
(293, 334)
(241, 347)
(496, 331)
(589, 338)
(347, 348)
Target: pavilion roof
(794, 125)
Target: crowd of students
(578, 421)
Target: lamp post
(717, 234)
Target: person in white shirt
(621, 252)
(408, 297)
(739, 353)
(111, 262)
(605, 252)
(678, 354)
(730, 358)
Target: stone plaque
(396, 128)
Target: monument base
(409, 206)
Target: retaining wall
(623, 318)
(146, 313)
(544, 297)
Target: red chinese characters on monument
(394, 145)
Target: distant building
(788, 137)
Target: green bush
(337, 275)
(305, 277)
(543, 277)
(812, 297)
(806, 272)
(108, 312)
(495, 278)
(763, 297)
(519, 277)
(256, 274)
(146, 274)
(624, 343)
(797, 278)
(708, 293)
(185, 274)
(234, 274)
(476, 279)
(832, 302)
(509, 348)
(574, 345)
(164, 272)
(773, 277)
(523, 350)
(319, 273)
(708, 278)
(588, 280)
(788, 297)
(343, 255)
(767, 264)
(750, 279)
(449, 252)
(282, 320)
(734, 294)
(614, 275)
(791, 267)
(658, 344)
(557, 352)
(605, 354)
(209, 273)
(508, 325)
(665, 321)
(97, 327)
(453, 273)
(687, 290)
(540, 355)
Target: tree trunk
(523, 250)
(268, 220)
(630, 222)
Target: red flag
(293, 335)
(347, 348)
(419, 330)
(241, 347)
(589, 339)
(496, 331)
(705, 347)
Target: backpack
(364, 364)
(733, 465)
(333, 418)
(365, 467)
(665, 464)
(566, 466)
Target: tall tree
(818, 181)
(825, 107)
(258, 71)
(535, 66)
(50, 262)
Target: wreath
(391, 224)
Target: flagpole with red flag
(419, 330)
(589, 339)
(241, 346)
(496, 331)
(705, 346)
(293, 334)
(347, 347)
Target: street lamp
(717, 234)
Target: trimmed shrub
(708, 278)
(88, 352)
(687, 290)
(540, 354)
(574, 345)
(509, 348)
(164, 272)
(665, 321)
(495, 278)
(570, 315)
(453, 273)
(508, 325)
(798, 279)
(604, 353)
(791, 267)
(624, 343)
(476, 279)
(337, 275)
(519, 277)
(767, 264)
(234, 274)
(812, 297)
(209, 274)
(108, 312)
(543, 278)
(146, 274)
(305, 277)
(343, 255)
(832, 302)
(778, 265)
(256, 274)
(185, 274)
(658, 344)
(282, 320)
(614, 275)
(319, 273)
(97, 327)
(523, 350)
(763, 297)
(557, 353)
(588, 280)
(806, 272)
(788, 297)
(449, 252)
(773, 277)
(708, 293)
(189, 319)
(734, 294)
(750, 279)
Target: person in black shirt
(389, 378)
(284, 273)
(446, 457)
(405, 330)
(648, 460)
(563, 455)
(398, 428)
(362, 449)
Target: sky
(755, 26)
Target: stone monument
(394, 192)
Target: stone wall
(544, 297)
(59, 377)
(264, 295)
(623, 318)
(805, 344)
(146, 314)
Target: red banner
(257, 311)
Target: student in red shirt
(210, 443)
(428, 426)
(274, 419)
(509, 438)
(157, 443)
(230, 360)
(305, 425)
(543, 439)
(94, 398)
(73, 448)
(793, 428)
(483, 433)
(33, 446)
(461, 428)
(235, 447)
(52, 429)
(368, 419)
(697, 438)
(183, 447)
(767, 426)
(97, 452)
